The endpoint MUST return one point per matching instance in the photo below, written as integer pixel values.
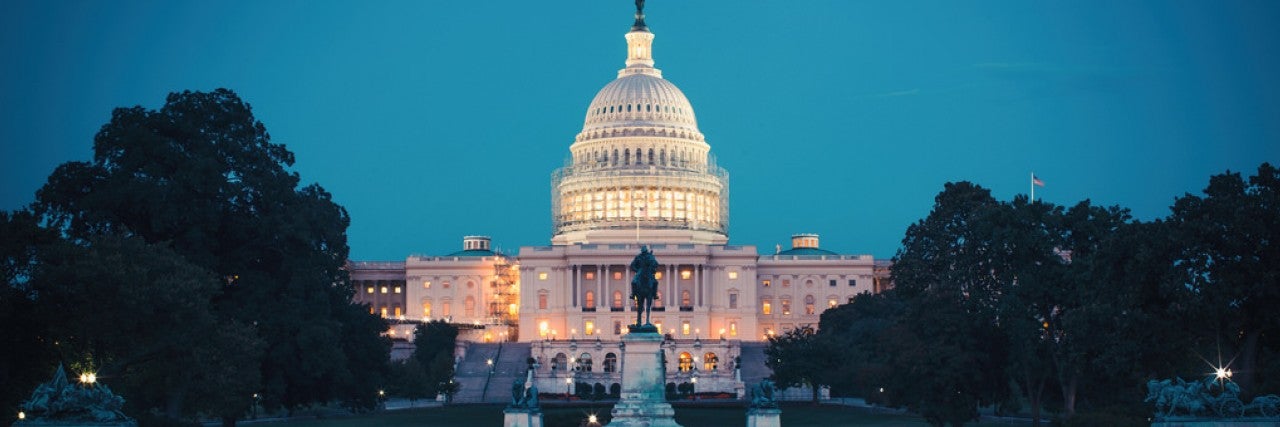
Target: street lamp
(694, 388)
(23, 416)
(256, 398)
(568, 384)
(88, 378)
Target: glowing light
(489, 362)
(568, 381)
(88, 378)
(1222, 373)
(23, 416)
(591, 418)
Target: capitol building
(640, 173)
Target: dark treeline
(1068, 310)
(186, 266)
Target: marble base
(764, 417)
(521, 418)
(1244, 422)
(643, 401)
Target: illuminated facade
(639, 173)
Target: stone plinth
(643, 401)
(764, 417)
(521, 418)
(1242, 422)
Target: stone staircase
(480, 382)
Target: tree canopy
(191, 212)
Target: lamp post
(568, 385)
(256, 398)
(694, 388)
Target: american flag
(1036, 180)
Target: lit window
(765, 283)
(686, 274)
(657, 275)
(426, 309)
(808, 304)
(733, 275)
(589, 327)
(370, 289)
(397, 289)
(832, 302)
(445, 311)
(542, 301)
(686, 362)
(684, 328)
(766, 307)
(384, 289)
(709, 361)
(617, 299)
(591, 275)
(383, 312)
(398, 311)
(786, 307)
(686, 300)
(542, 276)
(617, 275)
(590, 300)
(426, 285)
(542, 328)
(733, 329)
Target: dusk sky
(430, 120)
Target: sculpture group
(60, 402)
(1179, 398)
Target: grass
(573, 416)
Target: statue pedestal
(643, 401)
(764, 417)
(521, 417)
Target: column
(574, 271)
(701, 275)
(600, 286)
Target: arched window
(808, 304)
(786, 306)
(470, 304)
(610, 362)
(584, 362)
(426, 309)
(559, 362)
(617, 300)
(626, 156)
(710, 362)
(651, 156)
(686, 362)
(589, 301)
(628, 108)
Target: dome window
(628, 108)
(611, 109)
(648, 108)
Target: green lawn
(557, 416)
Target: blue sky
(432, 120)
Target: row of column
(669, 276)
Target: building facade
(640, 173)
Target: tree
(434, 344)
(201, 177)
(29, 355)
(861, 331)
(950, 357)
(798, 358)
(1231, 258)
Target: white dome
(643, 100)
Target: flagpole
(1033, 186)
